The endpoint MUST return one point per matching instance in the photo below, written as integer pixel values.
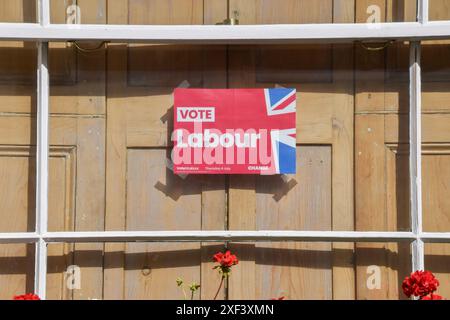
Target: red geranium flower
(280, 298)
(226, 261)
(420, 284)
(28, 296)
(432, 297)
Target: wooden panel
(18, 11)
(92, 11)
(305, 64)
(304, 201)
(61, 217)
(388, 10)
(165, 65)
(213, 218)
(78, 105)
(435, 128)
(439, 10)
(18, 197)
(435, 71)
(343, 11)
(80, 86)
(435, 63)
(285, 11)
(90, 204)
(325, 116)
(165, 12)
(382, 79)
(242, 216)
(381, 203)
(140, 119)
(18, 62)
(437, 260)
(436, 218)
(17, 190)
(370, 173)
(17, 67)
(16, 269)
(158, 200)
(58, 11)
(296, 270)
(401, 10)
(436, 186)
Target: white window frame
(43, 32)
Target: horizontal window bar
(435, 236)
(279, 33)
(227, 236)
(19, 237)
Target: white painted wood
(42, 147)
(19, 237)
(220, 235)
(422, 11)
(195, 235)
(277, 33)
(44, 12)
(415, 155)
(437, 237)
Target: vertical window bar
(44, 12)
(42, 150)
(415, 155)
(422, 11)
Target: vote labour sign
(234, 131)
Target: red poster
(234, 131)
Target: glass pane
(18, 11)
(439, 9)
(17, 135)
(436, 135)
(266, 270)
(110, 131)
(111, 124)
(352, 138)
(198, 12)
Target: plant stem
(220, 286)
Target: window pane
(16, 269)
(110, 128)
(18, 11)
(266, 270)
(111, 121)
(198, 12)
(439, 9)
(17, 135)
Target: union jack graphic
(281, 101)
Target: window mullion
(422, 11)
(42, 152)
(415, 155)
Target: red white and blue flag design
(234, 131)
